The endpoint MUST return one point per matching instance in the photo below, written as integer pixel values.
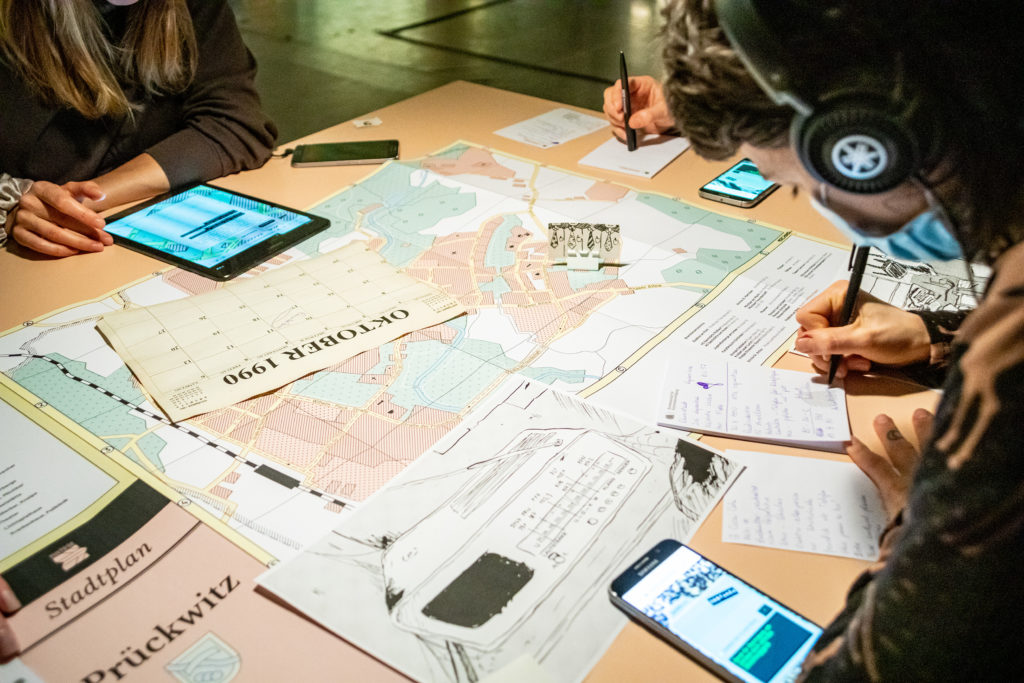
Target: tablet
(211, 231)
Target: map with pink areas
(278, 469)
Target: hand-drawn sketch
(502, 539)
(928, 286)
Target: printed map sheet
(212, 350)
(277, 471)
(502, 539)
(119, 581)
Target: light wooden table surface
(814, 585)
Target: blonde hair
(59, 48)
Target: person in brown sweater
(108, 101)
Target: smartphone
(724, 623)
(345, 153)
(742, 185)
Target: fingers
(922, 421)
(902, 454)
(820, 311)
(63, 201)
(46, 237)
(880, 471)
(645, 120)
(877, 467)
(50, 220)
(8, 603)
(83, 190)
(829, 341)
(8, 641)
(847, 364)
(613, 105)
(8, 600)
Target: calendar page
(251, 336)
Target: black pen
(859, 260)
(627, 109)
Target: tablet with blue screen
(212, 231)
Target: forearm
(139, 178)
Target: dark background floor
(326, 61)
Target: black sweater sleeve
(223, 128)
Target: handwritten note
(714, 394)
(805, 504)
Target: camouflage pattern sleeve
(945, 600)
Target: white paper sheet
(552, 128)
(253, 335)
(34, 501)
(653, 153)
(805, 504)
(713, 394)
(501, 540)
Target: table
(814, 585)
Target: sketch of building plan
(501, 540)
(928, 286)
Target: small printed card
(584, 246)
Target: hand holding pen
(859, 261)
(873, 331)
(649, 109)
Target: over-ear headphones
(851, 138)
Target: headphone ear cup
(857, 147)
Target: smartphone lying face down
(727, 625)
(345, 153)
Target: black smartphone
(742, 185)
(724, 623)
(345, 153)
(211, 231)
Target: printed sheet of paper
(553, 128)
(584, 246)
(33, 502)
(253, 335)
(653, 153)
(805, 504)
(500, 541)
(716, 395)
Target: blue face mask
(925, 238)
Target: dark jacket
(214, 128)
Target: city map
(277, 471)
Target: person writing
(103, 102)
(891, 116)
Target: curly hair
(926, 57)
(714, 100)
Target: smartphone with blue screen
(742, 185)
(725, 624)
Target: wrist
(920, 345)
(11, 191)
